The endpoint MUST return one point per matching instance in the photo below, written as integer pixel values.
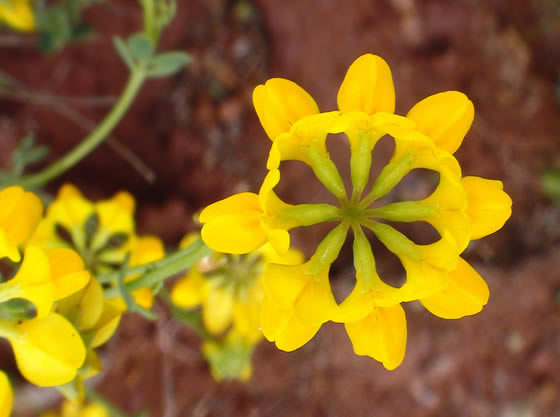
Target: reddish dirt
(198, 133)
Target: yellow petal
(90, 307)
(143, 297)
(117, 213)
(19, 15)
(106, 325)
(33, 281)
(381, 336)
(445, 118)
(50, 352)
(292, 257)
(236, 234)
(367, 87)
(21, 221)
(465, 294)
(217, 309)
(280, 326)
(488, 205)
(67, 272)
(273, 318)
(70, 208)
(280, 103)
(6, 396)
(450, 199)
(285, 283)
(146, 249)
(233, 225)
(188, 291)
(316, 304)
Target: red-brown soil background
(198, 132)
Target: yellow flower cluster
(229, 291)
(47, 348)
(298, 298)
(72, 313)
(18, 14)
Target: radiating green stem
(403, 211)
(394, 240)
(308, 214)
(388, 178)
(158, 271)
(94, 139)
(329, 248)
(325, 170)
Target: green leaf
(123, 51)
(141, 48)
(167, 64)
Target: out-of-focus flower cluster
(298, 298)
(18, 14)
(53, 309)
(228, 291)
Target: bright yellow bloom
(101, 232)
(6, 396)
(18, 14)
(49, 351)
(20, 212)
(298, 298)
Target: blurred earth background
(199, 135)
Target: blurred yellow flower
(78, 409)
(18, 14)
(20, 213)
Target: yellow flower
(6, 396)
(49, 351)
(20, 212)
(298, 298)
(229, 290)
(101, 232)
(18, 14)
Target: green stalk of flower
(95, 138)
(155, 272)
(9, 330)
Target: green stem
(156, 272)
(94, 139)
(149, 20)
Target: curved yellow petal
(146, 249)
(50, 352)
(6, 396)
(106, 325)
(445, 118)
(233, 225)
(450, 201)
(188, 291)
(381, 335)
(19, 219)
(217, 309)
(466, 293)
(367, 87)
(285, 283)
(67, 272)
(316, 303)
(280, 103)
(18, 14)
(33, 281)
(489, 207)
(236, 233)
